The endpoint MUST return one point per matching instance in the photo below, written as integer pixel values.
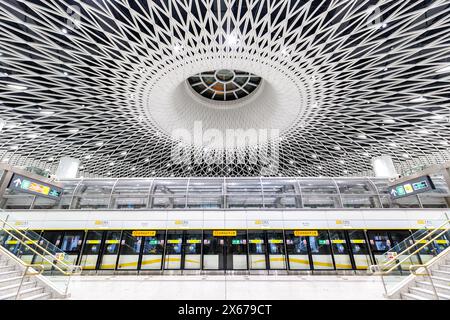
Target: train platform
(230, 287)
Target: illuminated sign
(143, 233)
(306, 233)
(35, 187)
(411, 187)
(224, 233)
(275, 241)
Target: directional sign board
(411, 187)
(25, 184)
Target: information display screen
(411, 187)
(25, 184)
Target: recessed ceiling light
(153, 172)
(366, 154)
(14, 147)
(389, 121)
(111, 164)
(444, 69)
(291, 161)
(46, 113)
(32, 135)
(392, 144)
(419, 99)
(123, 153)
(51, 159)
(133, 169)
(405, 155)
(319, 167)
(423, 131)
(17, 87)
(437, 117)
(64, 30)
(73, 130)
(361, 136)
(99, 144)
(337, 148)
(88, 157)
(341, 161)
(314, 156)
(147, 160)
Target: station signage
(224, 233)
(141, 233)
(28, 185)
(306, 233)
(411, 187)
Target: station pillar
(67, 168)
(383, 167)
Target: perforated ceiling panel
(342, 81)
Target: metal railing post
(21, 282)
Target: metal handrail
(74, 269)
(382, 273)
(426, 266)
(410, 255)
(415, 244)
(26, 266)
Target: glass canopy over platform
(227, 193)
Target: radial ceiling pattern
(342, 81)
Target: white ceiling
(343, 81)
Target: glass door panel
(277, 256)
(153, 251)
(297, 249)
(110, 250)
(359, 249)
(257, 250)
(54, 237)
(71, 245)
(130, 250)
(91, 251)
(396, 238)
(193, 250)
(321, 251)
(236, 249)
(213, 252)
(379, 243)
(340, 249)
(174, 246)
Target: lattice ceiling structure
(342, 80)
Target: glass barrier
(224, 193)
(34, 249)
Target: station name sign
(411, 187)
(28, 185)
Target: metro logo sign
(28, 185)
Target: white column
(67, 168)
(383, 167)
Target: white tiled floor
(226, 287)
